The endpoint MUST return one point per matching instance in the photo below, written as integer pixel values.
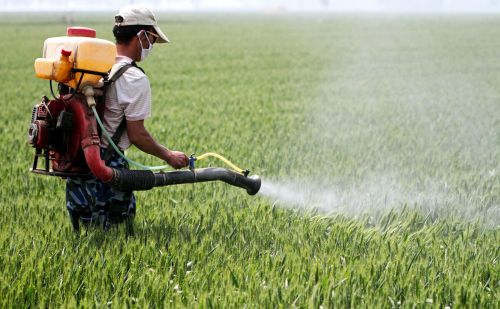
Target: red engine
(55, 134)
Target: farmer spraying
(102, 100)
(127, 105)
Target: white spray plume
(373, 199)
(398, 136)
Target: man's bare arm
(140, 137)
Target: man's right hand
(177, 159)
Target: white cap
(139, 15)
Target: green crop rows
(407, 107)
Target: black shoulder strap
(135, 65)
(118, 73)
(123, 124)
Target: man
(128, 104)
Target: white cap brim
(162, 38)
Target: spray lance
(64, 131)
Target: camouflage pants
(91, 201)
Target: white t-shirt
(129, 96)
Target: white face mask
(145, 51)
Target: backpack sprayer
(65, 133)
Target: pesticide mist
(386, 132)
(376, 198)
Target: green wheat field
(387, 126)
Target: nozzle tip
(254, 184)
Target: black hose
(134, 180)
(127, 180)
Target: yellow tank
(80, 51)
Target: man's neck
(124, 51)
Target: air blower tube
(127, 180)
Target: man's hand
(177, 159)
